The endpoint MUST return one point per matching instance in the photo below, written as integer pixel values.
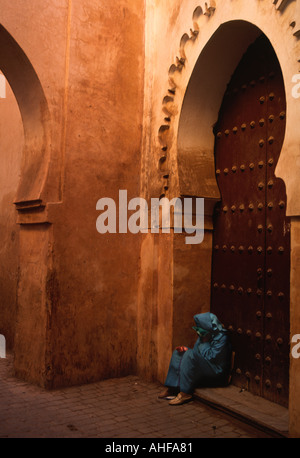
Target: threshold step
(254, 410)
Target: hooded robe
(207, 364)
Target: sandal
(181, 398)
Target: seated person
(207, 364)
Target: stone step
(243, 405)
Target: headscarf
(207, 323)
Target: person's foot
(181, 398)
(167, 393)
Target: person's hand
(181, 349)
(206, 338)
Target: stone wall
(83, 73)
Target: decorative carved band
(168, 101)
(281, 6)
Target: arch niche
(196, 163)
(201, 105)
(30, 355)
(30, 97)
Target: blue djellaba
(207, 363)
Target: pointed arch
(32, 103)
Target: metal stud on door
(250, 271)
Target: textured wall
(94, 311)
(80, 295)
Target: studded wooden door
(251, 252)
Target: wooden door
(251, 252)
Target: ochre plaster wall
(94, 333)
(32, 361)
(191, 286)
(77, 289)
(147, 312)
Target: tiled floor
(115, 408)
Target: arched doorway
(30, 314)
(251, 240)
(34, 111)
(11, 146)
